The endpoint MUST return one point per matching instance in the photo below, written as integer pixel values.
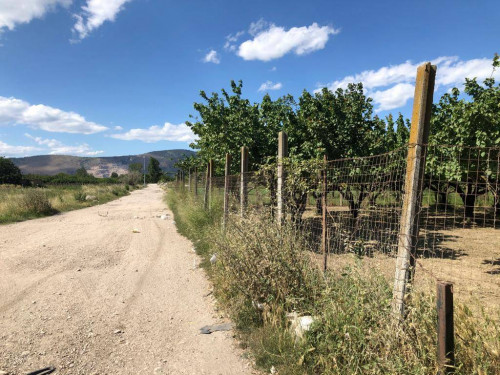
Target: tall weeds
(264, 271)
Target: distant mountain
(98, 166)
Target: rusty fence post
(408, 232)
(282, 153)
(207, 187)
(226, 190)
(324, 214)
(445, 330)
(244, 181)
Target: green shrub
(80, 196)
(35, 202)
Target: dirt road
(83, 293)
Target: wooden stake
(226, 190)
(244, 181)
(323, 221)
(445, 330)
(408, 234)
(282, 153)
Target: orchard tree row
(342, 124)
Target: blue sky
(116, 77)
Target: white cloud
(15, 111)
(231, 40)
(272, 42)
(392, 86)
(117, 127)
(270, 85)
(395, 97)
(95, 13)
(14, 12)
(9, 150)
(273, 69)
(169, 132)
(56, 147)
(212, 57)
(257, 27)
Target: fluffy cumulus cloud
(212, 57)
(55, 147)
(94, 13)
(15, 111)
(272, 42)
(270, 85)
(10, 150)
(167, 132)
(14, 12)
(392, 86)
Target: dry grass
(353, 332)
(18, 203)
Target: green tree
(9, 172)
(135, 167)
(154, 170)
(114, 175)
(471, 124)
(225, 123)
(81, 172)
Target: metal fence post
(408, 232)
(445, 334)
(244, 181)
(282, 153)
(226, 190)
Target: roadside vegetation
(18, 203)
(264, 272)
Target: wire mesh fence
(350, 212)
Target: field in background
(18, 203)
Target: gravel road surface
(84, 292)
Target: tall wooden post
(324, 213)
(282, 153)
(244, 181)
(196, 181)
(226, 190)
(207, 187)
(445, 334)
(408, 233)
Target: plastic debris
(300, 324)
(164, 217)
(206, 330)
(135, 231)
(213, 259)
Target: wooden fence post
(207, 187)
(445, 334)
(196, 181)
(408, 232)
(210, 182)
(324, 213)
(282, 153)
(226, 189)
(189, 180)
(244, 181)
